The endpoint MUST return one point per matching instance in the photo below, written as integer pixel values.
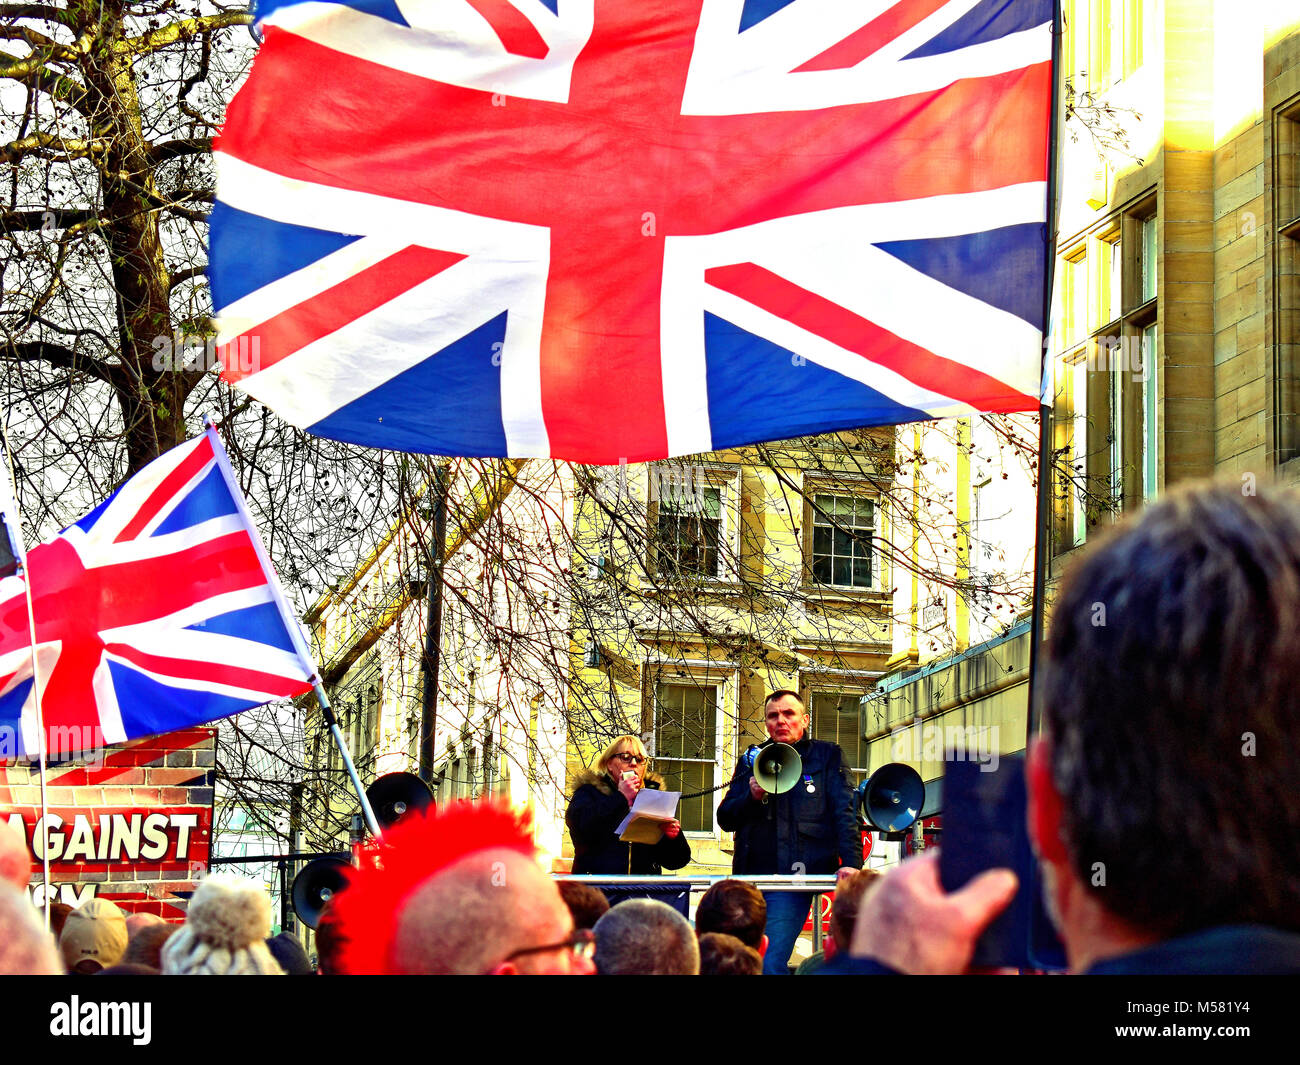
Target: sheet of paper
(650, 808)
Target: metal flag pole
(332, 722)
(14, 530)
(434, 560)
(1042, 535)
(290, 623)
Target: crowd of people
(1160, 810)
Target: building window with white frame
(686, 748)
(835, 719)
(690, 532)
(1109, 285)
(1286, 272)
(694, 519)
(843, 541)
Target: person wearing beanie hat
(224, 933)
(93, 937)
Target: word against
(134, 1019)
(958, 743)
(113, 836)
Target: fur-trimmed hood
(604, 783)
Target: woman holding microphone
(603, 797)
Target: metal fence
(819, 885)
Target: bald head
(15, 862)
(472, 916)
(137, 922)
(26, 949)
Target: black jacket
(595, 812)
(1228, 950)
(815, 832)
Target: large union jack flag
(156, 611)
(607, 230)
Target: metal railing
(819, 884)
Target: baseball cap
(94, 931)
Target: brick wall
(133, 825)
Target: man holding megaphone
(791, 808)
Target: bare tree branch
(173, 149)
(48, 219)
(56, 355)
(51, 144)
(173, 32)
(40, 12)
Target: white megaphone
(777, 768)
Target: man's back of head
(645, 937)
(723, 955)
(1171, 702)
(586, 902)
(849, 893)
(733, 908)
(456, 891)
(145, 944)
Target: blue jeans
(786, 913)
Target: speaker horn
(777, 768)
(394, 794)
(892, 797)
(320, 880)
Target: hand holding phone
(984, 828)
(908, 922)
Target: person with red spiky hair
(457, 891)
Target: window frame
(814, 685)
(1284, 176)
(1120, 445)
(816, 510)
(1112, 45)
(860, 489)
(695, 677)
(725, 478)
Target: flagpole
(332, 723)
(291, 624)
(1042, 535)
(38, 686)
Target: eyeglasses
(582, 944)
(632, 759)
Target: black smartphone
(984, 827)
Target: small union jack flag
(606, 230)
(156, 611)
